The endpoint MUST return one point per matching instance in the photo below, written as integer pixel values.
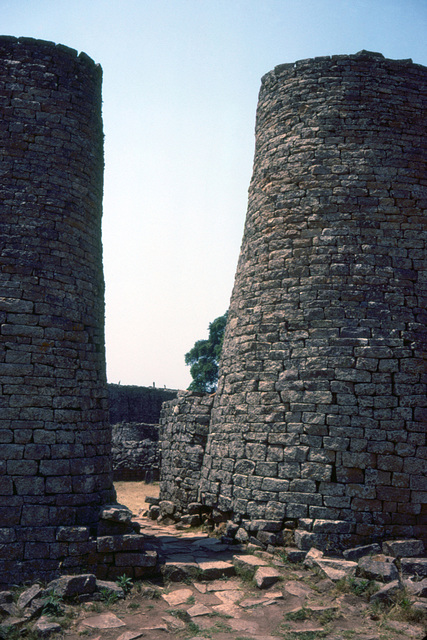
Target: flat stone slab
(46, 627)
(414, 566)
(386, 592)
(229, 595)
(379, 567)
(307, 629)
(248, 626)
(216, 569)
(403, 548)
(104, 621)
(130, 635)
(180, 596)
(224, 585)
(228, 610)
(70, 586)
(336, 569)
(298, 589)
(267, 599)
(156, 627)
(199, 610)
(265, 577)
(249, 563)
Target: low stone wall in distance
(135, 451)
(130, 403)
(135, 416)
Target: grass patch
(193, 628)
(245, 574)
(306, 635)
(298, 616)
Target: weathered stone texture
(321, 408)
(134, 417)
(184, 425)
(135, 451)
(132, 404)
(55, 438)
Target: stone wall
(55, 459)
(135, 417)
(184, 425)
(129, 403)
(135, 451)
(321, 410)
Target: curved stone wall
(321, 411)
(55, 467)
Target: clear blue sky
(181, 79)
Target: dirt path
(302, 604)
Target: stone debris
(199, 610)
(70, 586)
(358, 552)
(46, 628)
(248, 563)
(387, 592)
(27, 596)
(414, 566)
(212, 570)
(180, 596)
(107, 587)
(130, 635)
(174, 623)
(103, 621)
(403, 548)
(336, 569)
(381, 568)
(265, 577)
(238, 608)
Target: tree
(204, 357)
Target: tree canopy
(204, 357)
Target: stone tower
(321, 412)
(55, 468)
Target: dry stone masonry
(184, 426)
(134, 417)
(321, 411)
(319, 422)
(55, 459)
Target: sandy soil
(133, 494)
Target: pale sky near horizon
(180, 86)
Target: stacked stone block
(184, 425)
(55, 467)
(135, 451)
(321, 410)
(129, 403)
(134, 417)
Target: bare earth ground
(133, 494)
(302, 605)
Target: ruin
(134, 417)
(319, 421)
(55, 460)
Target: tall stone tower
(321, 411)
(55, 468)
